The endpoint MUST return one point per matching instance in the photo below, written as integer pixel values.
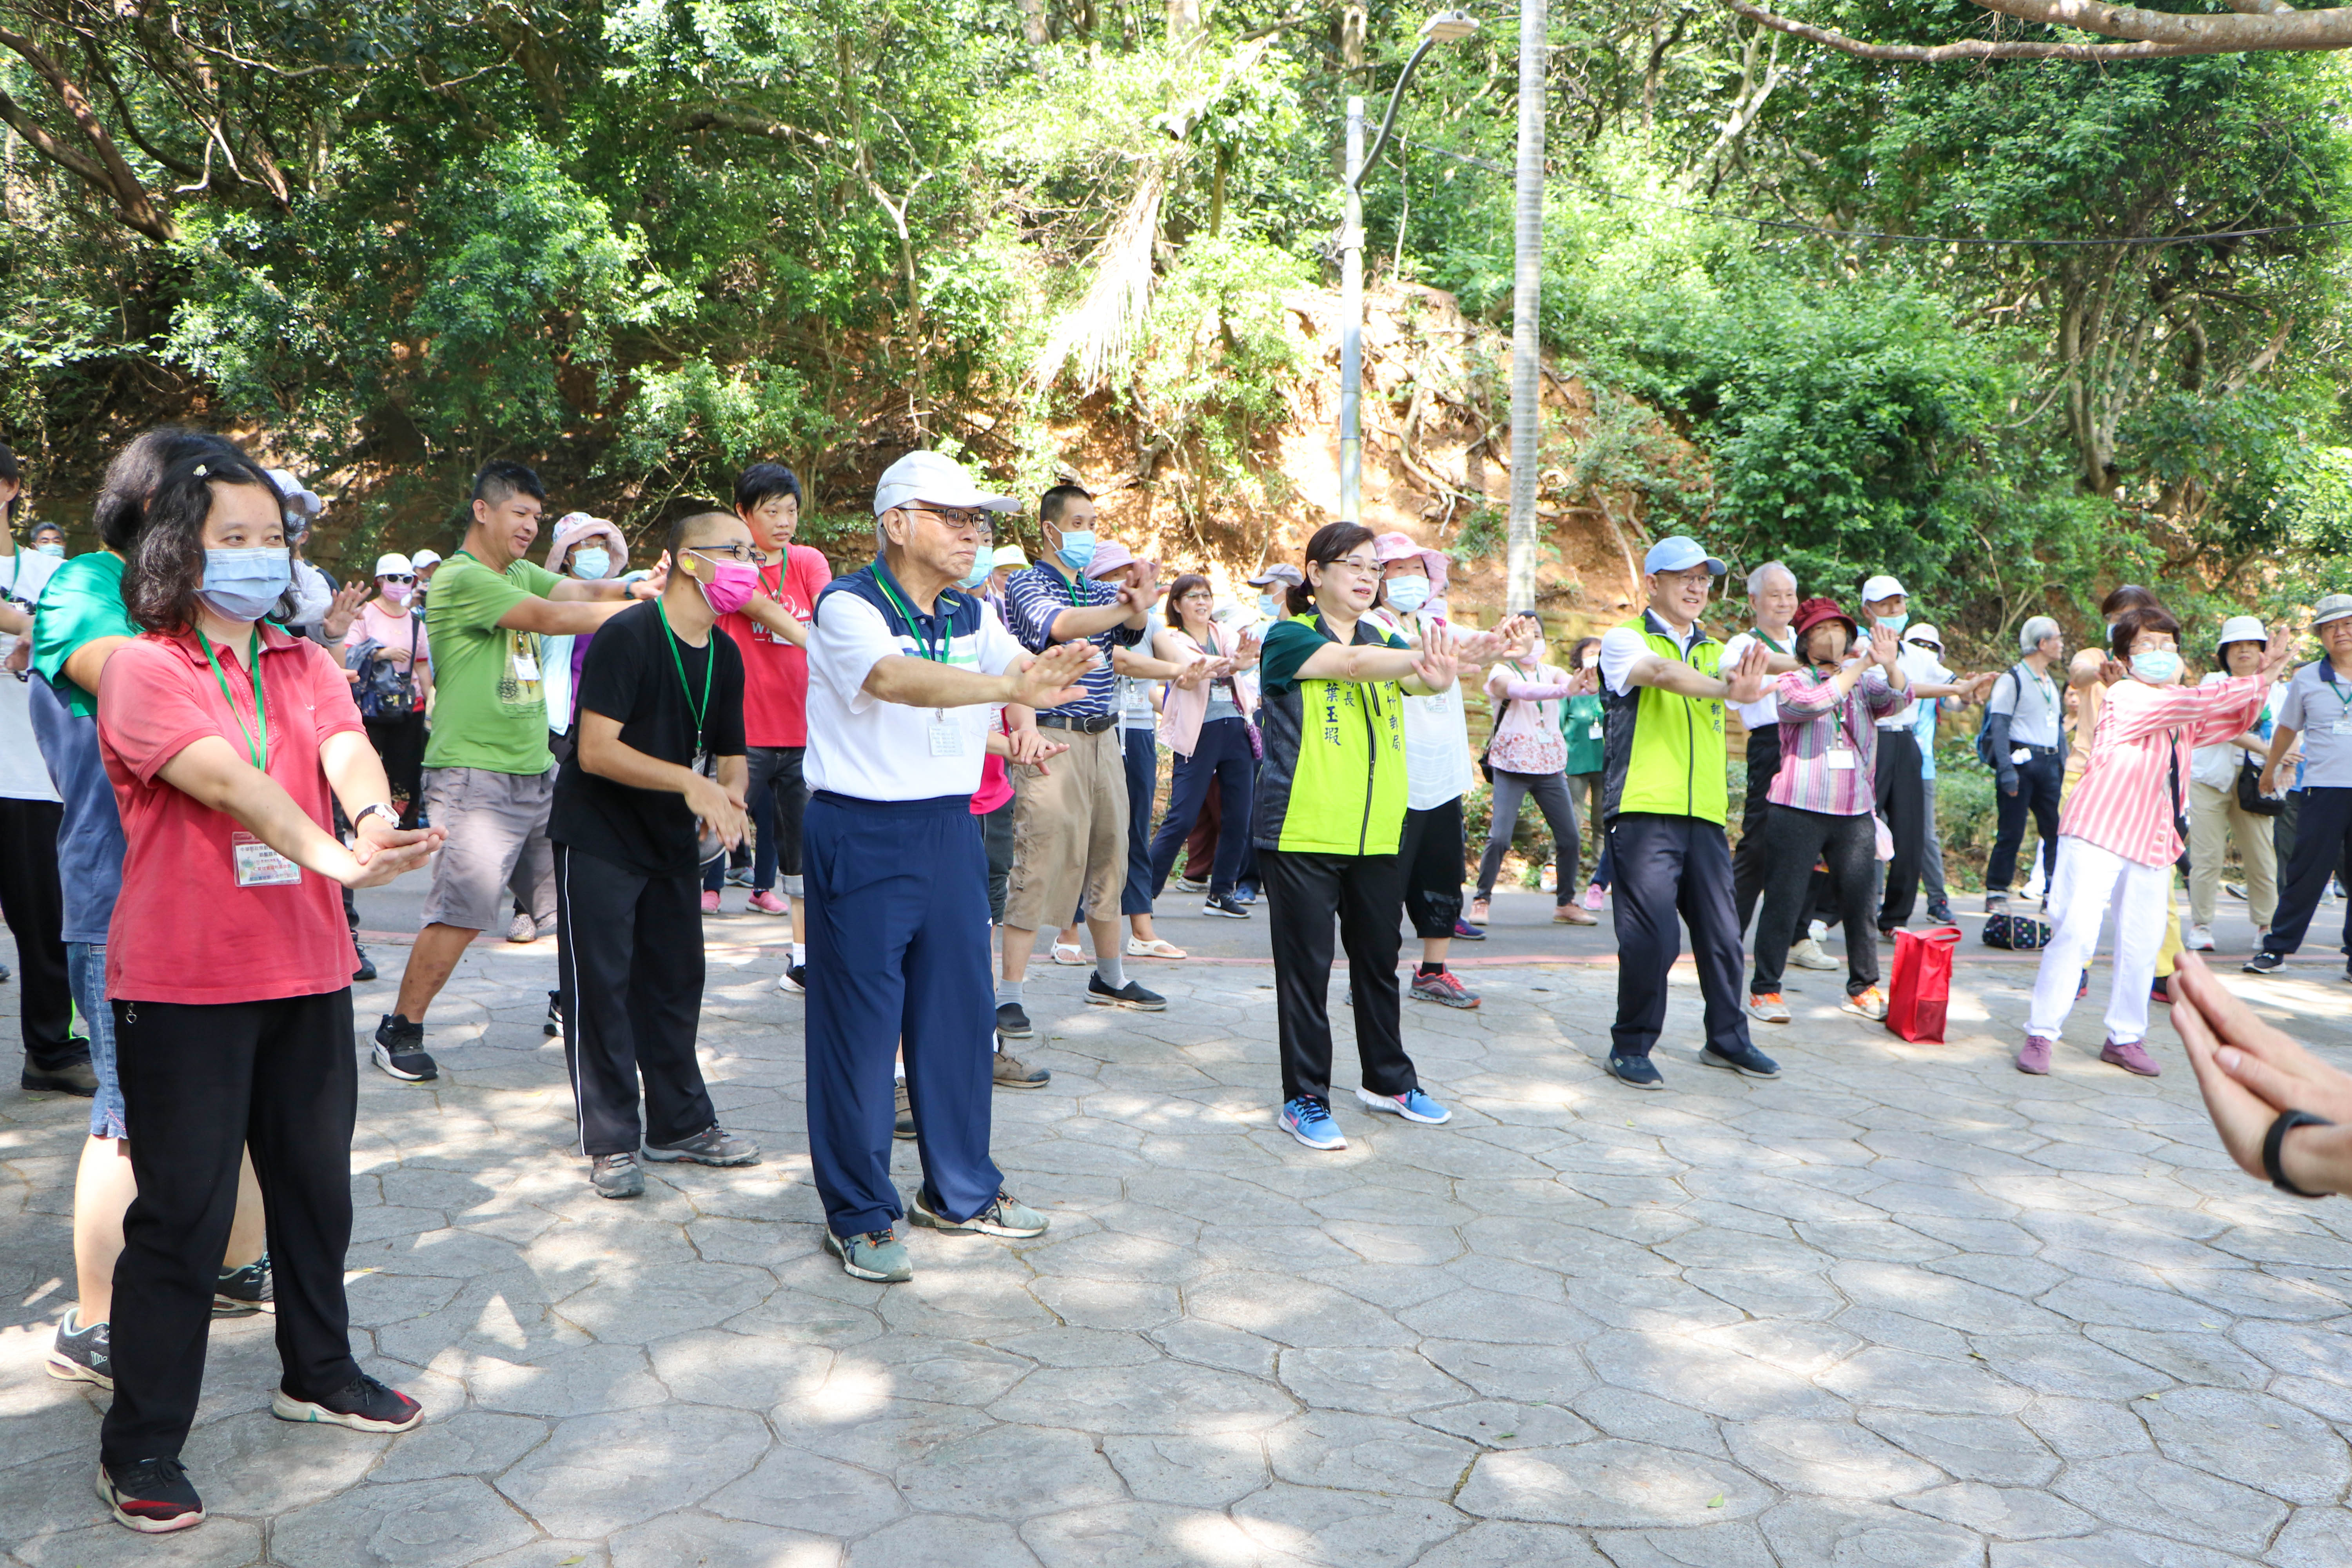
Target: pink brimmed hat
(1390, 547)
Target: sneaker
(1012, 1022)
(1244, 894)
(1188, 885)
(1228, 907)
(739, 876)
(2201, 938)
(363, 1405)
(617, 1177)
(2264, 963)
(1870, 1005)
(1811, 954)
(1005, 1216)
(794, 981)
(400, 1050)
(1465, 931)
(1308, 1120)
(2034, 1056)
(879, 1256)
(1940, 913)
(1413, 1105)
(151, 1496)
(522, 929)
(712, 1146)
(2082, 987)
(366, 971)
(709, 903)
(1635, 1072)
(2132, 1057)
(78, 1078)
(553, 1028)
(1766, 1007)
(1886, 934)
(1745, 1059)
(1569, 915)
(1132, 994)
(904, 1127)
(79, 1354)
(1479, 910)
(1445, 989)
(1995, 902)
(2157, 993)
(766, 902)
(241, 1292)
(1594, 897)
(1012, 1072)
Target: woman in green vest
(1328, 817)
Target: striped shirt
(1829, 745)
(2124, 803)
(1035, 597)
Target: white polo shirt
(867, 749)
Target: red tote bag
(1922, 990)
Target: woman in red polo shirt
(228, 965)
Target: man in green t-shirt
(491, 778)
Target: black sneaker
(712, 1146)
(1941, 913)
(1132, 994)
(241, 1292)
(151, 1496)
(1226, 906)
(1012, 1022)
(77, 1078)
(2264, 963)
(363, 1405)
(400, 1050)
(617, 1177)
(81, 1354)
(1636, 1072)
(1745, 1059)
(904, 1126)
(366, 971)
(553, 1028)
(794, 981)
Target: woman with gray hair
(2025, 742)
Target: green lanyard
(936, 652)
(257, 751)
(709, 663)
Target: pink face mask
(730, 585)
(397, 592)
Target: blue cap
(1679, 553)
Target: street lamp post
(1443, 28)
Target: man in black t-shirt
(660, 692)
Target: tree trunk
(1183, 21)
(1526, 301)
(1033, 23)
(1354, 22)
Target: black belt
(1093, 725)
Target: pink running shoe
(2035, 1055)
(709, 903)
(2132, 1057)
(1594, 897)
(766, 902)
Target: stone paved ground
(1904, 1307)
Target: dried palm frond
(1102, 331)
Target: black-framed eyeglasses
(748, 554)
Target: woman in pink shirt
(2119, 833)
(228, 967)
(1527, 756)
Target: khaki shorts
(493, 820)
(1069, 834)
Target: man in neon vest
(1664, 685)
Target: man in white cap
(2316, 708)
(424, 562)
(2024, 742)
(1901, 778)
(1664, 803)
(903, 667)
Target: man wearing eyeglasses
(1069, 824)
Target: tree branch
(1967, 49)
(110, 173)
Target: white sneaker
(2201, 938)
(1811, 954)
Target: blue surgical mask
(245, 584)
(590, 563)
(50, 547)
(1266, 608)
(1077, 552)
(2160, 666)
(1893, 623)
(1408, 594)
(980, 568)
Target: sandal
(1076, 954)
(1157, 947)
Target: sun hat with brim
(394, 566)
(2244, 629)
(2334, 607)
(573, 527)
(1008, 555)
(1281, 572)
(1109, 556)
(1926, 636)
(935, 478)
(1391, 547)
(1813, 613)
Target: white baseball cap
(2244, 629)
(1882, 587)
(395, 566)
(423, 558)
(935, 478)
(1925, 634)
(290, 492)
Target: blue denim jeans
(85, 973)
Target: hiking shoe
(553, 1028)
(78, 1078)
(366, 971)
(363, 1405)
(617, 1177)
(1308, 1120)
(2201, 938)
(1005, 1216)
(1569, 915)
(2132, 1057)
(712, 1146)
(1870, 1005)
(522, 929)
(794, 981)
(1465, 931)
(904, 1127)
(709, 903)
(1811, 954)
(1012, 1022)
(1010, 1071)
(766, 902)
(1766, 1007)
(151, 1496)
(1444, 988)
(1132, 994)
(241, 1292)
(1413, 1105)
(79, 1354)
(1745, 1059)
(2034, 1056)
(1635, 1072)
(2264, 963)
(1227, 907)
(879, 1256)
(400, 1050)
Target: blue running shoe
(1413, 1105)
(1308, 1120)
(1635, 1072)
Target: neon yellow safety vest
(1667, 754)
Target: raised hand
(340, 609)
(1885, 650)
(1437, 663)
(2279, 654)
(1050, 679)
(1748, 676)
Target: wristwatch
(383, 808)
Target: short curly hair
(168, 566)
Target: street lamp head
(1449, 27)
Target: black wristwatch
(2288, 1121)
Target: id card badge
(1840, 758)
(947, 738)
(259, 866)
(2344, 725)
(1595, 732)
(526, 667)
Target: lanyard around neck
(257, 748)
(711, 662)
(925, 647)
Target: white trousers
(2089, 881)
